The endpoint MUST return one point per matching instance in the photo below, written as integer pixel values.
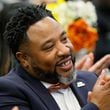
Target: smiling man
(49, 51)
(45, 77)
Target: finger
(89, 96)
(107, 86)
(88, 63)
(106, 71)
(101, 64)
(79, 63)
(91, 55)
(101, 79)
(85, 63)
(102, 67)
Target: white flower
(71, 10)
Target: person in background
(103, 15)
(6, 57)
(46, 78)
(4, 49)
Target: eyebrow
(63, 33)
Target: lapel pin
(80, 84)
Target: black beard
(50, 77)
(46, 76)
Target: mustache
(51, 77)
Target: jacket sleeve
(90, 106)
(11, 95)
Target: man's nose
(64, 49)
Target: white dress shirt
(65, 98)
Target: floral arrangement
(82, 35)
(82, 32)
(66, 12)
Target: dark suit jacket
(19, 88)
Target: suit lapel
(44, 95)
(84, 83)
(38, 88)
(80, 92)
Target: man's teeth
(66, 63)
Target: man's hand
(100, 65)
(86, 63)
(100, 95)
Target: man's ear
(22, 58)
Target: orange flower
(82, 35)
